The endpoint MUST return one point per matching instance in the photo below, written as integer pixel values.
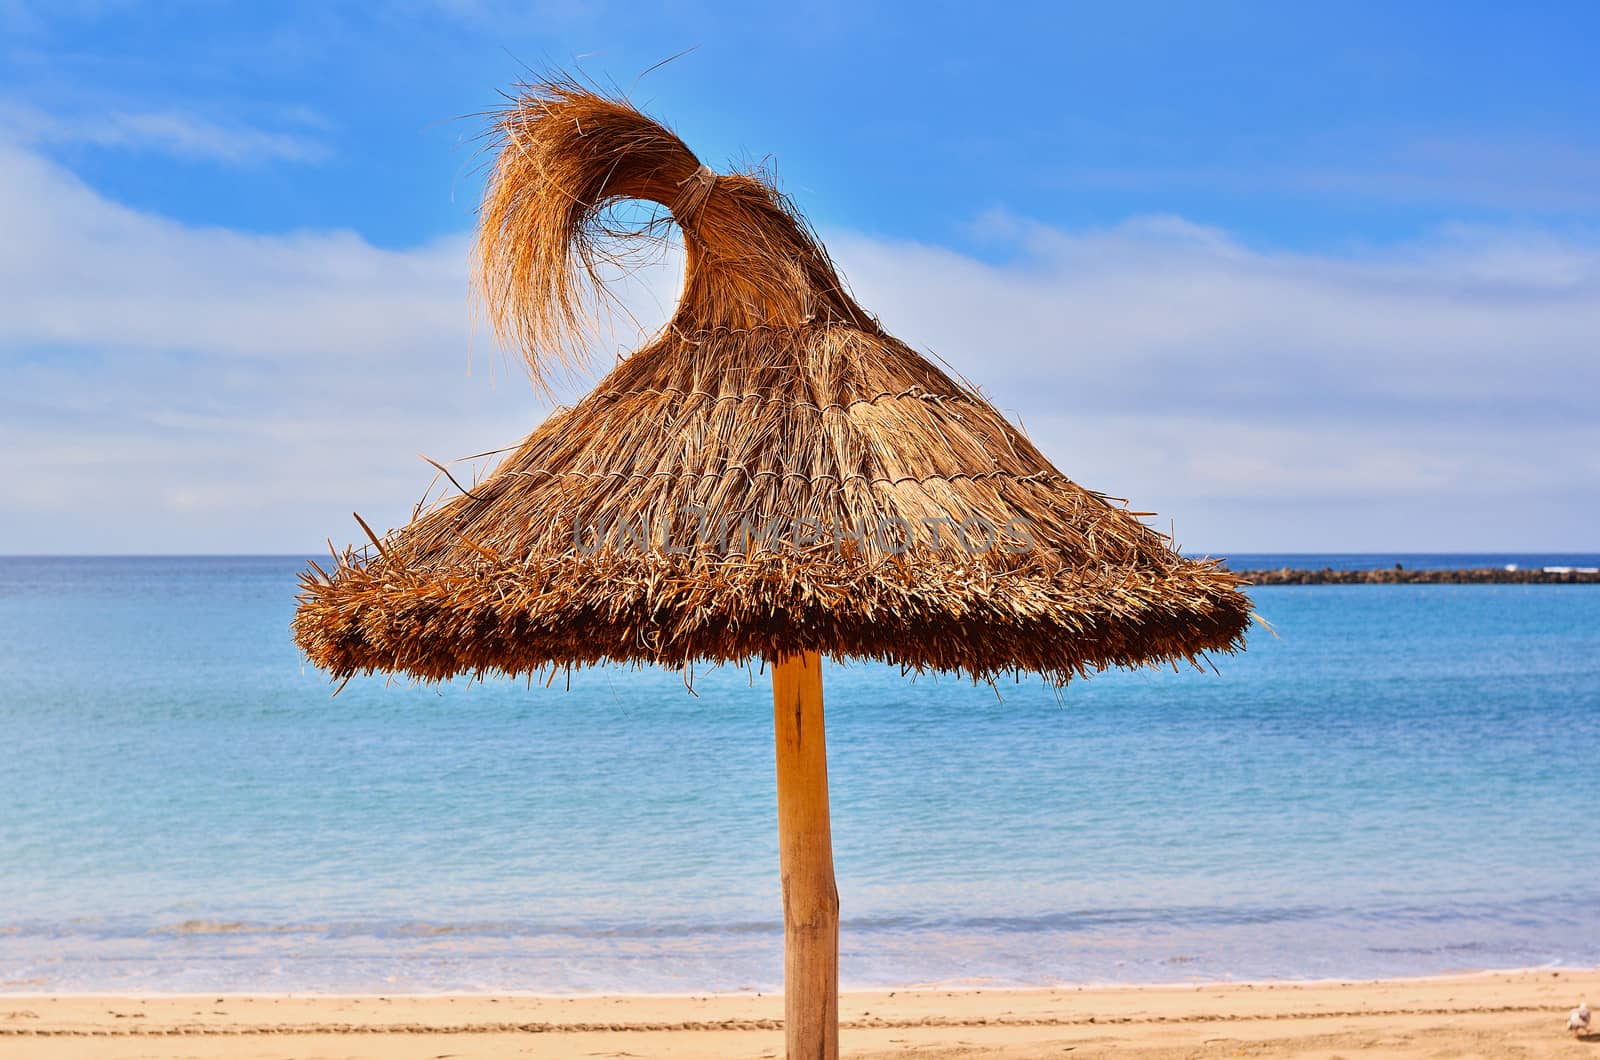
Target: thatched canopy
(771, 473)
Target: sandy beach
(1483, 1015)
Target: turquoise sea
(1403, 780)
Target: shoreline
(1475, 1013)
(953, 986)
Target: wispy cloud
(169, 132)
(170, 387)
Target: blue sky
(1296, 279)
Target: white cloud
(169, 132)
(1158, 313)
(168, 387)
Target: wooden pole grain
(805, 845)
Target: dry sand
(1519, 1014)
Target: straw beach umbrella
(772, 477)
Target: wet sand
(1481, 1015)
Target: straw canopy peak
(567, 154)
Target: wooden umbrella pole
(805, 844)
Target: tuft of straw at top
(567, 154)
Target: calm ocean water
(1403, 781)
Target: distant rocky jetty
(1406, 576)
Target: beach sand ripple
(1499, 1014)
